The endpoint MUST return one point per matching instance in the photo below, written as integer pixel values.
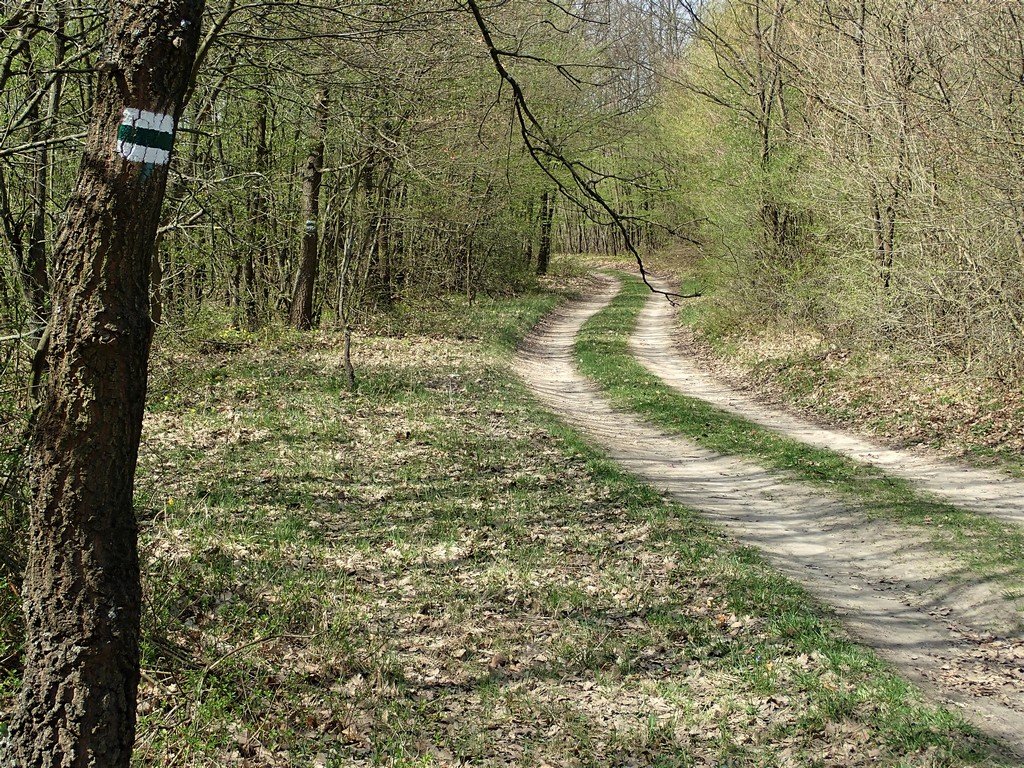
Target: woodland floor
(432, 571)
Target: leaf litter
(429, 572)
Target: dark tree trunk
(37, 283)
(156, 276)
(528, 245)
(547, 215)
(35, 274)
(81, 591)
(309, 262)
(261, 218)
(249, 307)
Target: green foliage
(735, 169)
(833, 193)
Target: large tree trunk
(81, 591)
(309, 262)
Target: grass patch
(989, 547)
(432, 571)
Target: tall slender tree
(309, 262)
(547, 215)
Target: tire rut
(654, 344)
(922, 612)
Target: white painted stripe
(136, 153)
(154, 121)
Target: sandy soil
(953, 635)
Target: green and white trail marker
(145, 137)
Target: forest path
(922, 611)
(654, 344)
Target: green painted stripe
(145, 137)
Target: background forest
(857, 169)
(335, 164)
(852, 169)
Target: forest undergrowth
(431, 571)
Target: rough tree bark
(301, 314)
(81, 592)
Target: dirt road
(990, 493)
(920, 610)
